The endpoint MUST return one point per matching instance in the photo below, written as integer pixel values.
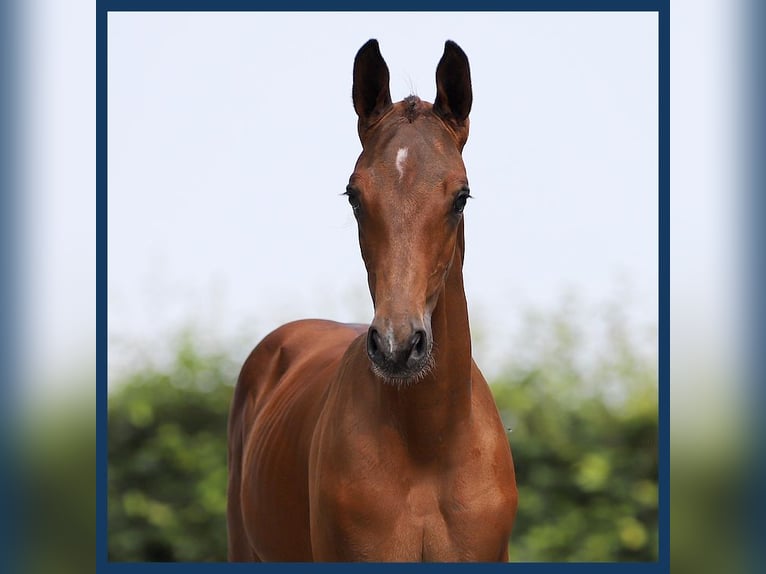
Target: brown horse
(381, 443)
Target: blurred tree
(584, 442)
(167, 460)
(584, 437)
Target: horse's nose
(394, 357)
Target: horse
(380, 442)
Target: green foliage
(167, 460)
(584, 443)
(584, 440)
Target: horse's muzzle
(401, 361)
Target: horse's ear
(453, 89)
(370, 93)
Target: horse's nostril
(418, 345)
(373, 343)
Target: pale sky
(231, 136)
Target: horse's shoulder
(294, 347)
(304, 336)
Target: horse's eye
(353, 197)
(460, 201)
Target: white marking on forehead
(401, 156)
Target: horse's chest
(462, 518)
(430, 524)
(416, 518)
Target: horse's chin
(402, 379)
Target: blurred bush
(584, 437)
(584, 440)
(167, 459)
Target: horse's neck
(428, 413)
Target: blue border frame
(102, 443)
(103, 7)
(378, 6)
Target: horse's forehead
(426, 134)
(414, 149)
(425, 144)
